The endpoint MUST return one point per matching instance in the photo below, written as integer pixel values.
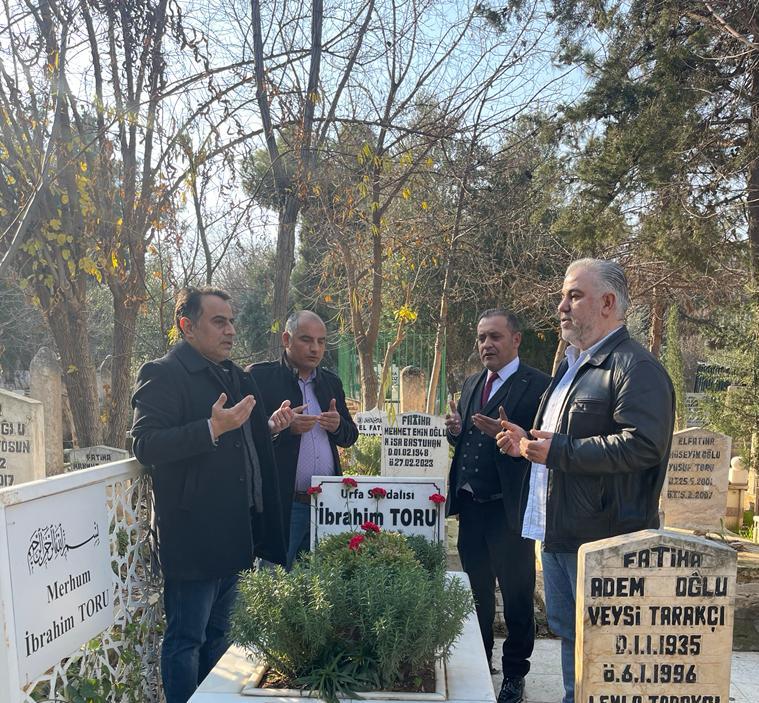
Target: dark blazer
(278, 382)
(520, 400)
(203, 511)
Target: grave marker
(370, 422)
(405, 507)
(694, 496)
(654, 619)
(22, 439)
(415, 445)
(87, 457)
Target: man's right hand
(508, 438)
(302, 423)
(453, 420)
(226, 419)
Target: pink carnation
(370, 526)
(350, 482)
(355, 542)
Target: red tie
(488, 387)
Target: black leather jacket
(608, 458)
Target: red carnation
(355, 542)
(350, 482)
(377, 492)
(437, 498)
(370, 526)
(314, 490)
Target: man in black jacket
(197, 425)
(600, 456)
(321, 424)
(488, 491)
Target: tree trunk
(752, 208)
(442, 322)
(118, 409)
(558, 357)
(284, 263)
(400, 333)
(68, 324)
(368, 376)
(656, 329)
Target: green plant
(365, 610)
(364, 458)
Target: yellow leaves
(158, 275)
(173, 335)
(66, 254)
(114, 260)
(424, 205)
(65, 199)
(23, 284)
(71, 268)
(55, 224)
(405, 313)
(87, 265)
(119, 222)
(406, 193)
(72, 369)
(3, 212)
(406, 159)
(316, 190)
(152, 249)
(430, 163)
(83, 166)
(327, 298)
(275, 326)
(10, 180)
(61, 239)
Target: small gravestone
(654, 619)
(408, 505)
(46, 386)
(415, 445)
(694, 496)
(22, 439)
(87, 457)
(370, 422)
(413, 389)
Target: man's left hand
(537, 449)
(282, 418)
(490, 426)
(330, 419)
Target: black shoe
(512, 690)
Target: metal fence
(417, 349)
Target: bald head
(304, 340)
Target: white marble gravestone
(369, 422)
(694, 495)
(414, 444)
(22, 439)
(654, 619)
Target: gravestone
(22, 439)
(654, 619)
(413, 390)
(87, 457)
(370, 422)
(46, 386)
(412, 506)
(694, 496)
(415, 445)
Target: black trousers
(490, 553)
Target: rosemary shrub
(362, 612)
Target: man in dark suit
(197, 425)
(488, 492)
(321, 423)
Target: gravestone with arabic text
(369, 422)
(654, 619)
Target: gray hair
(291, 326)
(611, 278)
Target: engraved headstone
(87, 457)
(413, 389)
(370, 422)
(415, 445)
(22, 439)
(654, 619)
(694, 496)
(46, 386)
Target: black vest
(476, 457)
